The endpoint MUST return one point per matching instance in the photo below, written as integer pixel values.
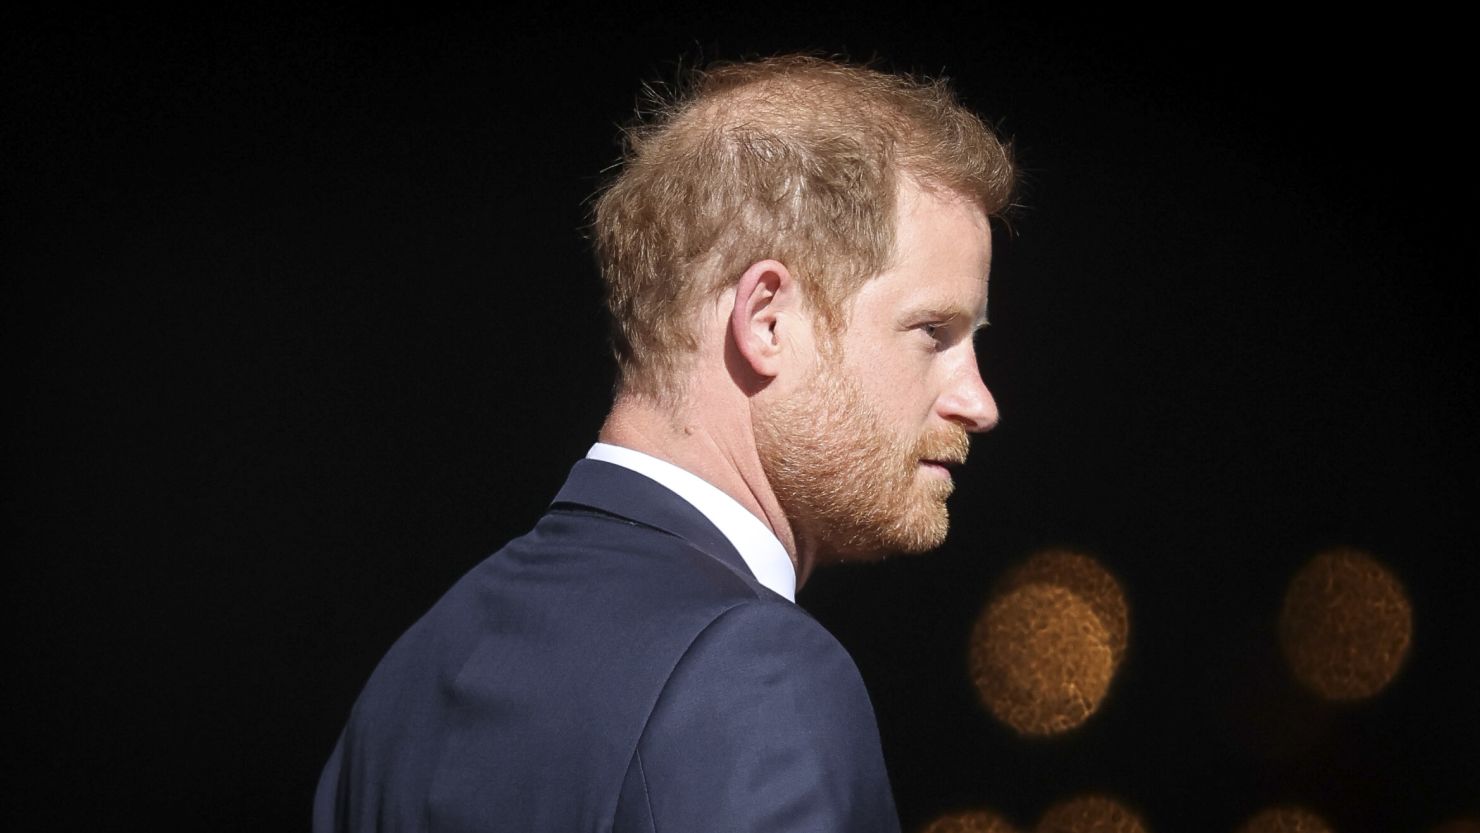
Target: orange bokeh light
(1084, 577)
(1090, 814)
(1346, 625)
(1285, 820)
(1046, 646)
(969, 821)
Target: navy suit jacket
(617, 669)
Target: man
(796, 255)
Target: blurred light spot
(1285, 820)
(1041, 660)
(969, 821)
(1346, 625)
(1459, 826)
(1047, 644)
(1090, 814)
(1085, 578)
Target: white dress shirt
(755, 542)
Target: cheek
(893, 374)
(898, 391)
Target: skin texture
(838, 443)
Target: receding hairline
(795, 93)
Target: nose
(968, 402)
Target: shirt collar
(755, 542)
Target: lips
(948, 457)
(944, 466)
(942, 451)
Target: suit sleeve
(764, 725)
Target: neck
(714, 441)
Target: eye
(941, 328)
(938, 331)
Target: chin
(915, 533)
(922, 540)
(924, 527)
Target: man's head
(794, 158)
(839, 218)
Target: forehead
(942, 254)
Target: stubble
(850, 486)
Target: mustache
(944, 445)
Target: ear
(765, 316)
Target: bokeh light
(1346, 625)
(1090, 814)
(969, 821)
(1041, 659)
(1085, 578)
(1048, 642)
(1285, 820)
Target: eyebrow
(949, 312)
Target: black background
(300, 324)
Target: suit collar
(620, 491)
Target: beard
(850, 486)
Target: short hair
(794, 158)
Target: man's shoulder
(533, 681)
(637, 601)
(764, 722)
(549, 658)
(584, 596)
(774, 647)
